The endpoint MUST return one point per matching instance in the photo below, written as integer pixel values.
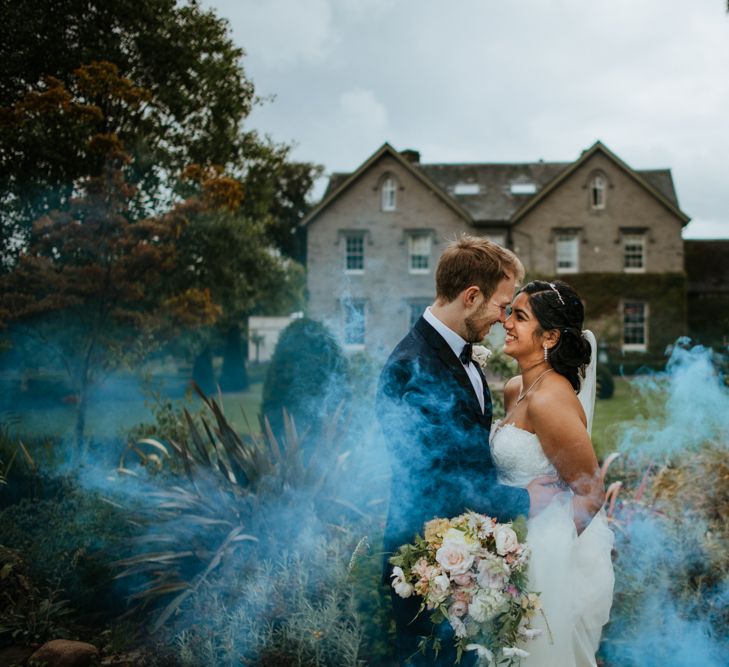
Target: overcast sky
(497, 81)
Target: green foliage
(503, 368)
(263, 484)
(28, 614)
(183, 54)
(605, 382)
(61, 539)
(281, 613)
(306, 376)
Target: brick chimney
(411, 155)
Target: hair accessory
(554, 287)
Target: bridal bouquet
(471, 572)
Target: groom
(435, 411)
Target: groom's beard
(473, 333)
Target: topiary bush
(306, 377)
(605, 382)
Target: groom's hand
(541, 491)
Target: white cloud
(485, 80)
(282, 33)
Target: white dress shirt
(456, 343)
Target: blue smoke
(671, 604)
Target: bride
(547, 431)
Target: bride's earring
(546, 357)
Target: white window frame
(560, 239)
(525, 188)
(635, 347)
(635, 240)
(466, 189)
(350, 253)
(598, 192)
(416, 307)
(349, 307)
(413, 237)
(389, 194)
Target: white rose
(485, 605)
(530, 633)
(402, 587)
(514, 651)
(480, 355)
(481, 651)
(439, 589)
(454, 557)
(492, 573)
(506, 540)
(459, 627)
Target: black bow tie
(466, 352)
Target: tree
(228, 251)
(198, 99)
(92, 284)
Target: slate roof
(496, 203)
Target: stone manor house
(612, 231)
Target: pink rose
(464, 579)
(454, 557)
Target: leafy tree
(198, 99)
(227, 250)
(92, 284)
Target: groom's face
(491, 310)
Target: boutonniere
(480, 355)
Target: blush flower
(454, 557)
(506, 540)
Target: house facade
(613, 232)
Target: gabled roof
(495, 202)
(644, 179)
(345, 181)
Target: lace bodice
(518, 455)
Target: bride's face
(522, 338)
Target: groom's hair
(471, 260)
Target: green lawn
(114, 418)
(612, 414)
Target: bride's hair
(557, 306)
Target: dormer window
(467, 189)
(389, 194)
(523, 188)
(598, 187)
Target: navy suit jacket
(438, 439)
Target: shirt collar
(455, 342)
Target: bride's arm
(557, 418)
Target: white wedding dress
(573, 574)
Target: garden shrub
(28, 615)
(65, 541)
(306, 376)
(282, 612)
(605, 382)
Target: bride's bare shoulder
(555, 398)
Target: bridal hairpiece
(554, 287)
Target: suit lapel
(447, 356)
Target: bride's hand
(541, 491)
